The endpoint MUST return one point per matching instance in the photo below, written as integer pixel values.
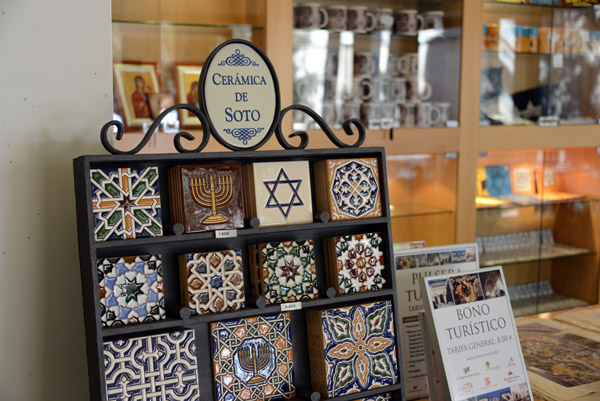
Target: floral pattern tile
(286, 272)
(359, 263)
(252, 358)
(131, 290)
(359, 347)
(215, 281)
(354, 188)
(126, 203)
(153, 368)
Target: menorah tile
(353, 346)
(284, 271)
(207, 197)
(348, 188)
(153, 368)
(355, 262)
(279, 193)
(126, 203)
(131, 290)
(212, 281)
(252, 358)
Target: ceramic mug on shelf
(304, 87)
(383, 88)
(385, 19)
(331, 67)
(329, 114)
(408, 64)
(407, 115)
(329, 86)
(337, 17)
(392, 66)
(360, 20)
(364, 64)
(361, 90)
(406, 23)
(312, 16)
(433, 20)
(399, 90)
(423, 89)
(444, 109)
(427, 114)
(387, 112)
(370, 115)
(351, 110)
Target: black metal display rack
(173, 243)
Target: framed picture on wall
(135, 82)
(187, 77)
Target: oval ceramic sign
(239, 93)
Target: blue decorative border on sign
(243, 134)
(238, 59)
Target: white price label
(291, 306)
(557, 60)
(451, 124)
(225, 233)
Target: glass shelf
(412, 209)
(541, 5)
(210, 26)
(497, 53)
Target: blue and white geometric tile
(154, 368)
(131, 290)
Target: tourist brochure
(472, 328)
(411, 265)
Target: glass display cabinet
(537, 216)
(423, 198)
(391, 64)
(540, 62)
(159, 46)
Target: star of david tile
(215, 281)
(358, 263)
(126, 203)
(286, 271)
(350, 188)
(355, 347)
(154, 368)
(279, 193)
(284, 207)
(131, 290)
(253, 359)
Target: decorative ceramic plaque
(240, 95)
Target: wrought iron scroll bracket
(107, 131)
(303, 135)
(351, 127)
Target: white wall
(55, 93)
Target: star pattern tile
(131, 290)
(215, 281)
(126, 203)
(284, 271)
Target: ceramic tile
(126, 203)
(214, 281)
(286, 272)
(358, 346)
(281, 193)
(252, 358)
(154, 368)
(359, 262)
(354, 189)
(208, 197)
(131, 290)
(378, 397)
